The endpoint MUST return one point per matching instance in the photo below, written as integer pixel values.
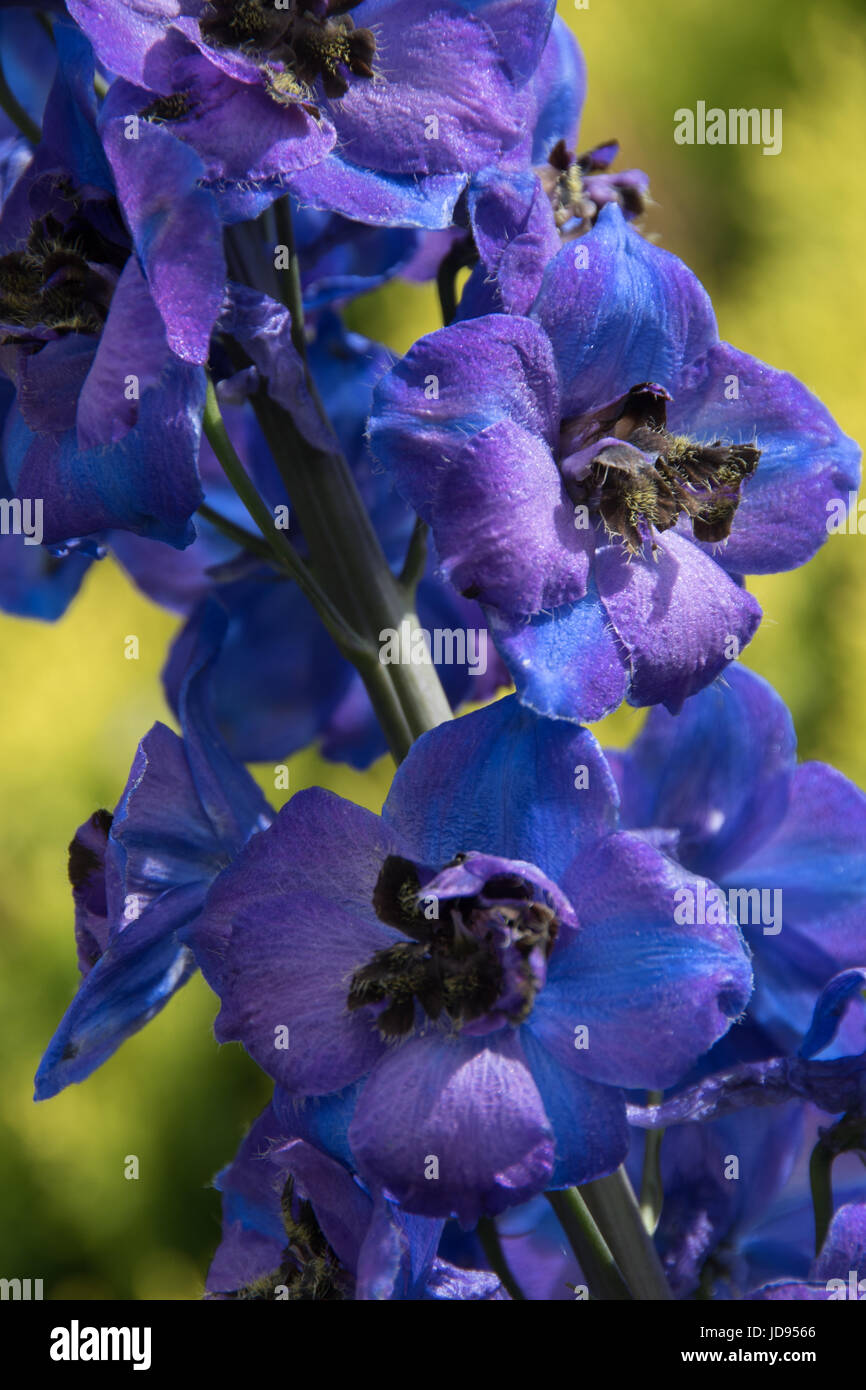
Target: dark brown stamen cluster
(309, 1271)
(296, 46)
(453, 965)
(563, 180)
(56, 281)
(636, 496)
(171, 108)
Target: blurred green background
(779, 244)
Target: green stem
(593, 1255)
(284, 552)
(651, 1186)
(492, 1247)
(614, 1207)
(821, 1182)
(290, 279)
(349, 563)
(16, 113)
(461, 256)
(416, 559)
(346, 557)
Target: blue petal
(143, 966)
(623, 313)
(718, 772)
(473, 784)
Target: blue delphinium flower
(469, 980)
(141, 874)
(298, 1226)
(785, 842)
(110, 282)
(602, 473)
(520, 219)
(381, 114)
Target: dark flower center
(170, 108)
(646, 483)
(296, 45)
(479, 957)
(309, 1271)
(62, 280)
(577, 185)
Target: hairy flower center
(63, 280)
(654, 477)
(309, 1271)
(471, 958)
(573, 184)
(169, 108)
(296, 44)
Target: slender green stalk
(284, 552)
(416, 558)
(346, 558)
(593, 1254)
(651, 1186)
(16, 113)
(614, 1207)
(349, 563)
(821, 1182)
(492, 1247)
(290, 278)
(461, 256)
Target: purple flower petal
(50, 382)
(388, 200)
(442, 62)
(176, 229)
(717, 773)
(473, 1108)
(516, 236)
(806, 460)
(679, 616)
(504, 524)
(653, 994)
(287, 965)
(453, 384)
(130, 37)
(473, 784)
(146, 482)
(133, 343)
(588, 1119)
(844, 1246)
(568, 664)
(620, 311)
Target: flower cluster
(479, 1007)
